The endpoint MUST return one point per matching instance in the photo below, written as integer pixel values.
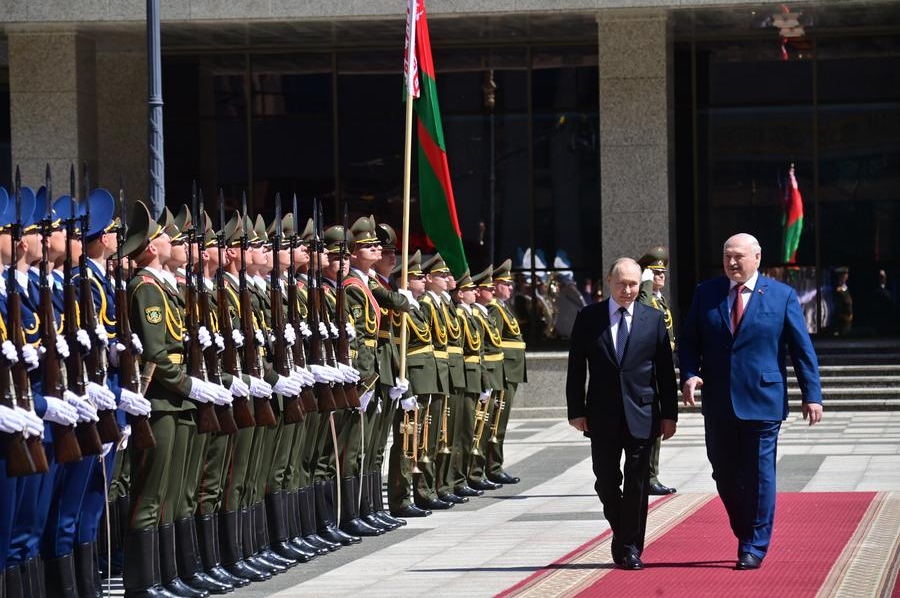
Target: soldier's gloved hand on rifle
(136, 345)
(237, 337)
(304, 330)
(133, 403)
(306, 376)
(34, 426)
(290, 337)
(204, 337)
(220, 342)
(60, 412)
(201, 391)
(287, 386)
(485, 395)
(409, 297)
(335, 333)
(86, 411)
(298, 378)
(102, 397)
(349, 374)
(364, 399)
(238, 388)
(400, 386)
(100, 333)
(351, 330)
(260, 339)
(83, 338)
(62, 347)
(223, 395)
(259, 388)
(30, 356)
(322, 374)
(11, 420)
(409, 403)
(9, 352)
(323, 330)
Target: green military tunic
(514, 373)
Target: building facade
(616, 125)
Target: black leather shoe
(467, 491)
(658, 489)
(318, 541)
(410, 511)
(631, 562)
(453, 498)
(504, 478)
(484, 484)
(386, 518)
(748, 561)
(435, 504)
(358, 527)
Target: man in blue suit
(733, 346)
(631, 399)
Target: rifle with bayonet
(24, 456)
(207, 421)
(243, 415)
(340, 395)
(282, 359)
(129, 378)
(342, 351)
(262, 408)
(307, 397)
(53, 383)
(95, 363)
(324, 393)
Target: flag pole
(412, 8)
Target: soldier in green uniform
(492, 365)
(513, 369)
(653, 279)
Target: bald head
(741, 255)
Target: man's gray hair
(620, 263)
(744, 238)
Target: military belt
(176, 358)
(493, 357)
(473, 359)
(425, 349)
(371, 342)
(441, 354)
(512, 344)
(384, 334)
(455, 350)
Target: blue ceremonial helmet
(100, 210)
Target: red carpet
(691, 553)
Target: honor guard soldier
(513, 369)
(654, 266)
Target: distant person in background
(883, 307)
(569, 302)
(843, 303)
(598, 295)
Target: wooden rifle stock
(343, 345)
(227, 424)
(323, 391)
(243, 415)
(207, 422)
(262, 408)
(141, 433)
(340, 395)
(307, 397)
(95, 360)
(18, 459)
(292, 410)
(21, 383)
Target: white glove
(260, 339)
(259, 388)
(86, 411)
(9, 352)
(351, 330)
(100, 333)
(304, 330)
(60, 412)
(298, 379)
(287, 386)
(204, 338)
(30, 356)
(62, 347)
(323, 330)
(237, 337)
(136, 345)
(223, 395)
(321, 374)
(238, 388)
(11, 420)
(34, 426)
(365, 398)
(220, 342)
(408, 294)
(402, 384)
(646, 275)
(102, 397)
(134, 403)
(272, 338)
(84, 338)
(126, 434)
(334, 330)
(409, 404)
(305, 376)
(290, 337)
(201, 391)
(348, 373)
(485, 395)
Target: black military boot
(350, 521)
(307, 503)
(261, 527)
(190, 568)
(232, 552)
(325, 515)
(36, 583)
(168, 565)
(59, 576)
(250, 541)
(87, 574)
(295, 533)
(140, 575)
(14, 585)
(378, 502)
(277, 525)
(367, 510)
(208, 543)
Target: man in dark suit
(733, 345)
(630, 400)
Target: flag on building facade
(436, 202)
(792, 218)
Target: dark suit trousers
(743, 455)
(624, 505)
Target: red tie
(737, 308)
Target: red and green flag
(436, 202)
(792, 219)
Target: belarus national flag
(437, 205)
(792, 220)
